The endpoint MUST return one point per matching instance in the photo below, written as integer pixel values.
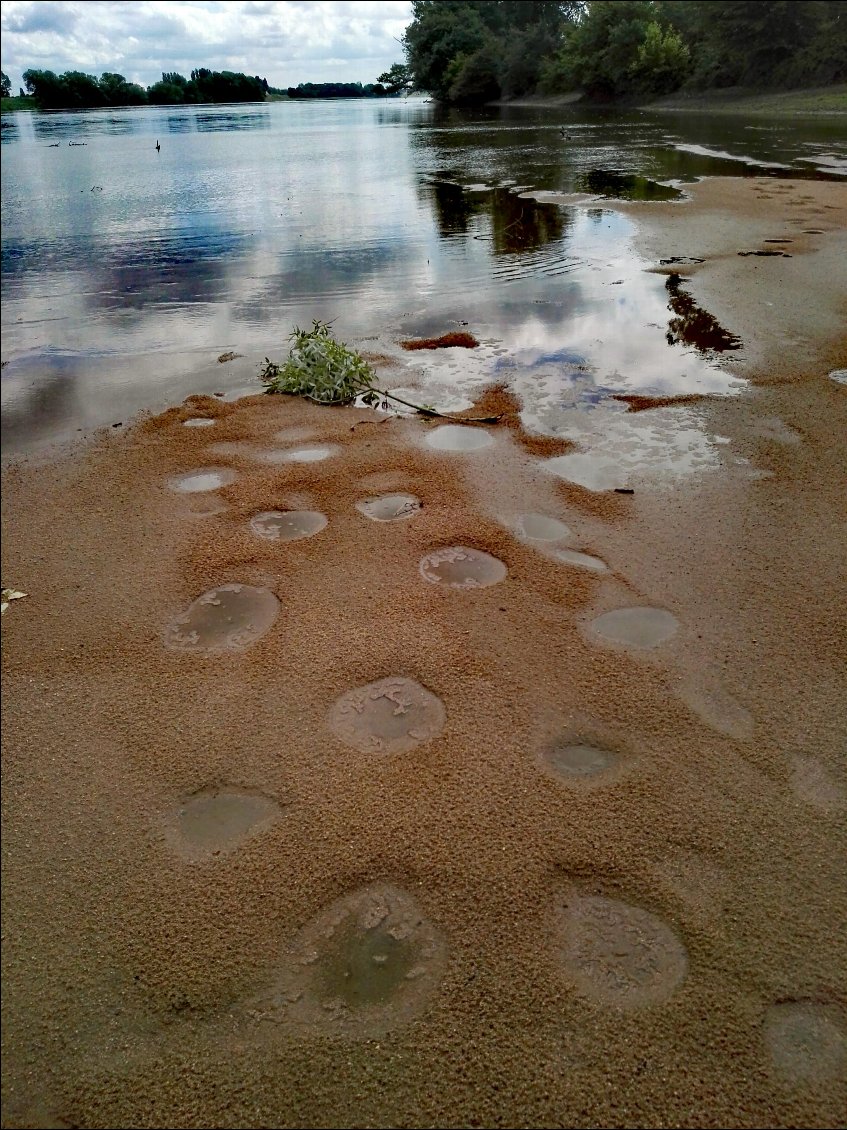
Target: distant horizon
(287, 42)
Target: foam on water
(228, 618)
(366, 964)
(389, 507)
(392, 715)
(618, 954)
(459, 567)
(288, 525)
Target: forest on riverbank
(476, 51)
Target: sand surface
(589, 884)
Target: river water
(127, 271)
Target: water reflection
(389, 218)
(694, 326)
(517, 225)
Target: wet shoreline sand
(607, 891)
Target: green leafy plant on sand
(329, 372)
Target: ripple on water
(392, 715)
(458, 567)
(209, 478)
(216, 821)
(389, 507)
(636, 627)
(458, 437)
(288, 525)
(368, 963)
(227, 618)
(806, 1041)
(618, 954)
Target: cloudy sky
(285, 41)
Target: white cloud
(287, 41)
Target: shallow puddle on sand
(198, 422)
(580, 560)
(227, 618)
(288, 525)
(636, 627)
(218, 820)
(806, 1040)
(392, 715)
(210, 478)
(618, 954)
(540, 527)
(307, 454)
(839, 375)
(711, 702)
(458, 437)
(813, 784)
(580, 761)
(368, 963)
(390, 507)
(458, 567)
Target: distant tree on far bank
(337, 90)
(74, 90)
(5, 85)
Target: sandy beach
(548, 872)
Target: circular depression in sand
(227, 618)
(392, 715)
(459, 567)
(216, 821)
(636, 627)
(369, 962)
(457, 437)
(580, 761)
(806, 1041)
(619, 954)
(308, 454)
(541, 527)
(208, 478)
(287, 525)
(389, 507)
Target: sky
(284, 41)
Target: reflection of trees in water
(626, 186)
(517, 224)
(693, 325)
(9, 130)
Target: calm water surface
(126, 272)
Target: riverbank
(604, 885)
(820, 101)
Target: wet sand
(600, 884)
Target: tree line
(75, 90)
(474, 51)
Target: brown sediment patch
(497, 400)
(639, 403)
(446, 341)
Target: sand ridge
(662, 948)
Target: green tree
(5, 85)
(397, 78)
